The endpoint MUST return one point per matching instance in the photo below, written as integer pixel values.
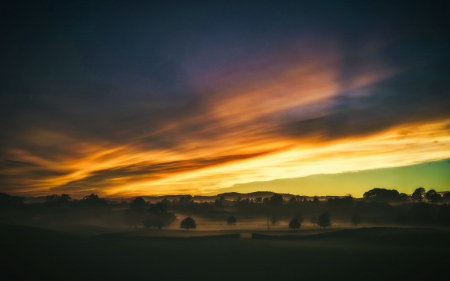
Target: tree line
(377, 206)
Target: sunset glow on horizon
(119, 115)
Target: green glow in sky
(431, 175)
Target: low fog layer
(184, 216)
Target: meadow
(374, 253)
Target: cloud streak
(213, 104)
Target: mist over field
(258, 237)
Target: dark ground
(28, 253)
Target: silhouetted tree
(157, 208)
(324, 220)
(275, 205)
(292, 200)
(245, 202)
(184, 200)
(231, 220)
(219, 202)
(159, 220)
(294, 224)
(157, 216)
(383, 194)
(316, 199)
(55, 199)
(165, 202)
(138, 203)
(65, 198)
(7, 201)
(403, 196)
(446, 196)
(341, 205)
(188, 223)
(276, 200)
(418, 194)
(93, 200)
(137, 212)
(52, 199)
(356, 220)
(432, 196)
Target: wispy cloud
(214, 105)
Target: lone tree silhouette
(231, 220)
(356, 219)
(294, 224)
(188, 223)
(418, 194)
(324, 220)
(276, 200)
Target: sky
(130, 98)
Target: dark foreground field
(361, 254)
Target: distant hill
(197, 198)
(229, 196)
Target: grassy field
(354, 254)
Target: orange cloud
(237, 136)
